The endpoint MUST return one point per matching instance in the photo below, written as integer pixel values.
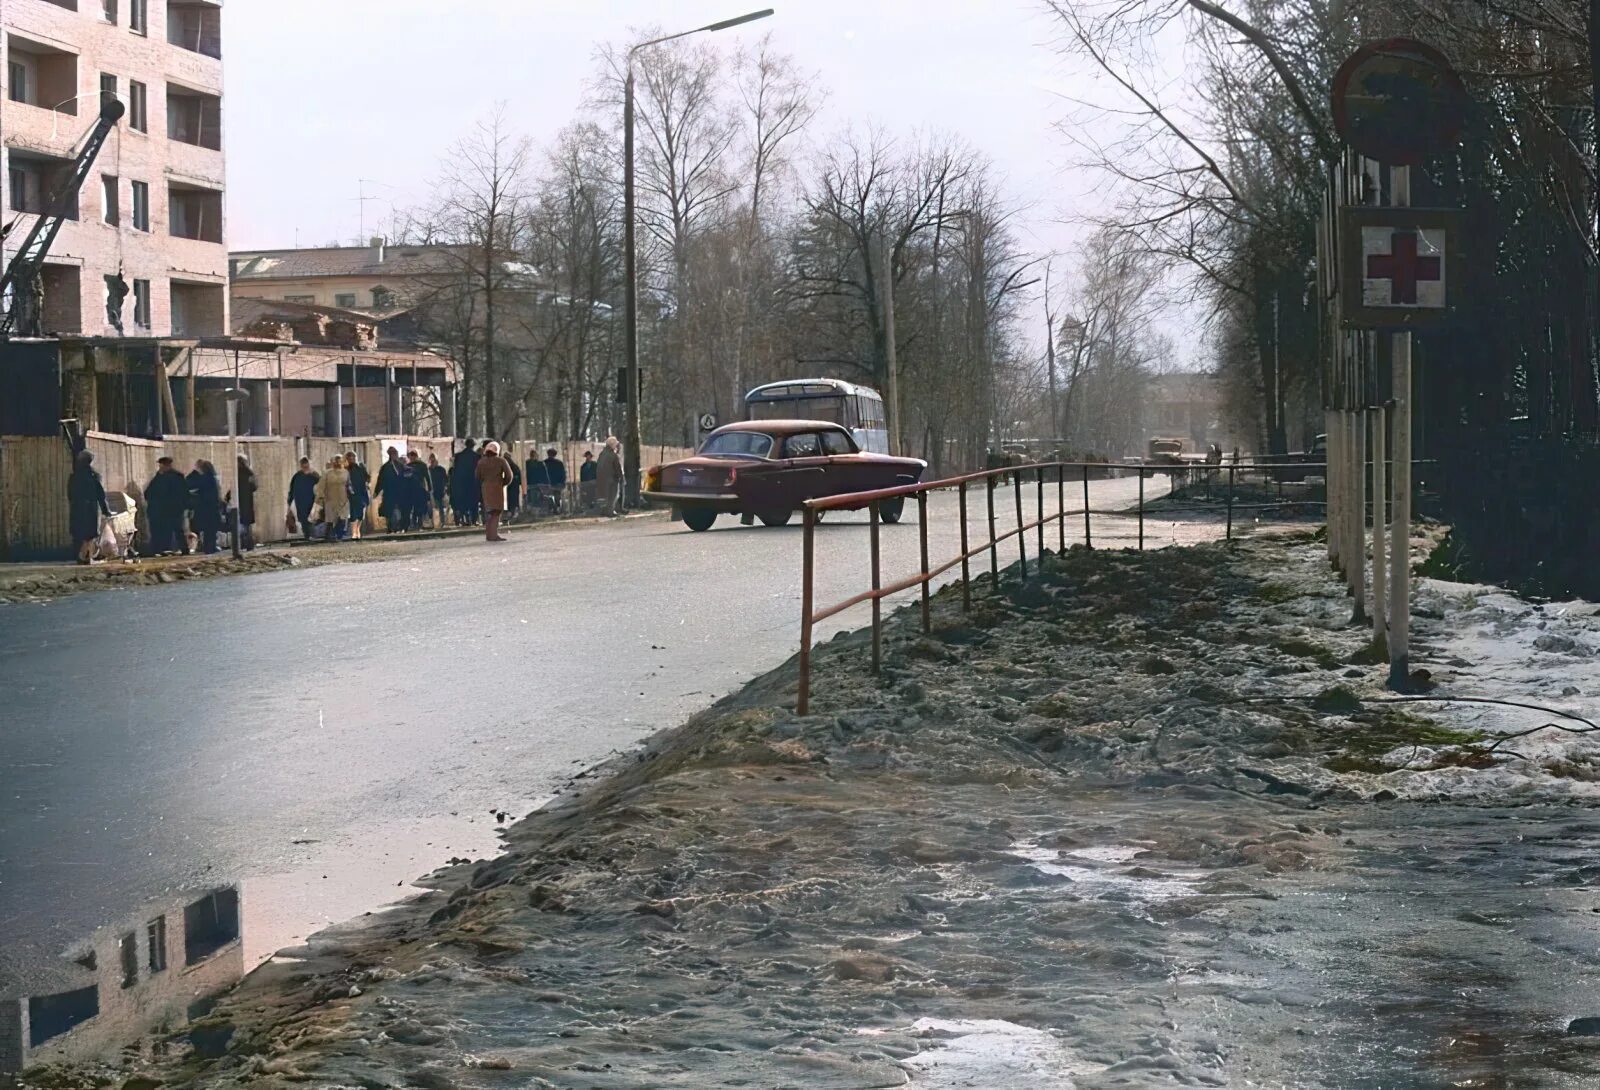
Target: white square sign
(1403, 267)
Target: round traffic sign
(708, 421)
(1398, 101)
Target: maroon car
(767, 469)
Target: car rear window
(748, 444)
(837, 442)
(806, 445)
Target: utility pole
(631, 443)
(886, 264)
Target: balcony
(195, 26)
(199, 310)
(33, 178)
(194, 212)
(41, 75)
(194, 117)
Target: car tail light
(733, 475)
(652, 479)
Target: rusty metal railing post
(966, 563)
(922, 525)
(1040, 504)
(1230, 503)
(1061, 509)
(1022, 535)
(1141, 509)
(1088, 539)
(877, 603)
(807, 595)
(994, 545)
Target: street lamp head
(740, 19)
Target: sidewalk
(36, 581)
(1143, 820)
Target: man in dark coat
(303, 495)
(438, 486)
(166, 498)
(360, 496)
(538, 484)
(587, 481)
(514, 490)
(390, 492)
(466, 500)
(556, 470)
(206, 500)
(86, 503)
(247, 504)
(418, 491)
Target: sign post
(1400, 103)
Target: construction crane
(22, 285)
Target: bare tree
(481, 210)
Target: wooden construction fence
(34, 472)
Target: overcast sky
(324, 93)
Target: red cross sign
(1398, 267)
(1402, 267)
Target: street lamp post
(631, 444)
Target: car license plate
(688, 476)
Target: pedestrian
(555, 470)
(586, 481)
(360, 482)
(333, 492)
(207, 494)
(439, 488)
(538, 479)
(247, 504)
(494, 475)
(166, 498)
(464, 470)
(86, 503)
(418, 486)
(389, 491)
(514, 492)
(608, 477)
(303, 495)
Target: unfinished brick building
(153, 205)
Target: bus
(859, 408)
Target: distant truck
(1165, 452)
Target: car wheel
(890, 510)
(776, 518)
(698, 518)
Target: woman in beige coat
(494, 474)
(333, 492)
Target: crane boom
(22, 285)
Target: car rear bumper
(725, 502)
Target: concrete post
(393, 421)
(333, 409)
(260, 390)
(447, 410)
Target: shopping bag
(289, 524)
(107, 542)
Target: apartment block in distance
(152, 205)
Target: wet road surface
(327, 735)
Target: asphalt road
(325, 735)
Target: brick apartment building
(152, 205)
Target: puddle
(989, 1052)
(1101, 881)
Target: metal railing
(1041, 474)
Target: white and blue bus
(859, 408)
